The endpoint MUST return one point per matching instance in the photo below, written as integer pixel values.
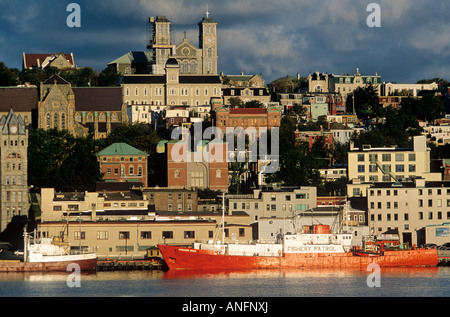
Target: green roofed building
(120, 162)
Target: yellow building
(368, 165)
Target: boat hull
(88, 264)
(188, 258)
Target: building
(346, 84)
(93, 206)
(121, 162)
(118, 224)
(24, 102)
(246, 94)
(170, 89)
(133, 62)
(252, 81)
(193, 60)
(171, 199)
(267, 202)
(413, 90)
(204, 167)
(42, 61)
(80, 110)
(409, 208)
(368, 165)
(13, 168)
(247, 118)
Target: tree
(57, 159)
(366, 104)
(236, 102)
(8, 77)
(253, 104)
(109, 76)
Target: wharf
(444, 257)
(128, 265)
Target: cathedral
(193, 60)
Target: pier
(444, 257)
(128, 265)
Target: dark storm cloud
(275, 38)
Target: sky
(274, 38)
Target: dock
(129, 265)
(444, 257)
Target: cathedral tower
(160, 42)
(208, 44)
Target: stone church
(13, 168)
(80, 109)
(193, 60)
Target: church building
(13, 168)
(193, 60)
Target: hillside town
(113, 161)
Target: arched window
(63, 121)
(55, 120)
(209, 52)
(185, 67)
(48, 121)
(193, 68)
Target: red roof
(30, 60)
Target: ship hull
(189, 258)
(88, 264)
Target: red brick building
(121, 162)
(247, 117)
(206, 167)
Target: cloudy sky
(272, 37)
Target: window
(167, 234)
(124, 235)
(386, 157)
(360, 157)
(102, 235)
(241, 232)
(79, 235)
(189, 234)
(360, 168)
(399, 168)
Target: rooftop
(121, 149)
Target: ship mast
(223, 218)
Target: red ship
(319, 249)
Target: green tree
(57, 159)
(8, 77)
(109, 77)
(365, 102)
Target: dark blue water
(398, 282)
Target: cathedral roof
(98, 98)
(19, 99)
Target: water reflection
(429, 272)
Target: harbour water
(395, 282)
